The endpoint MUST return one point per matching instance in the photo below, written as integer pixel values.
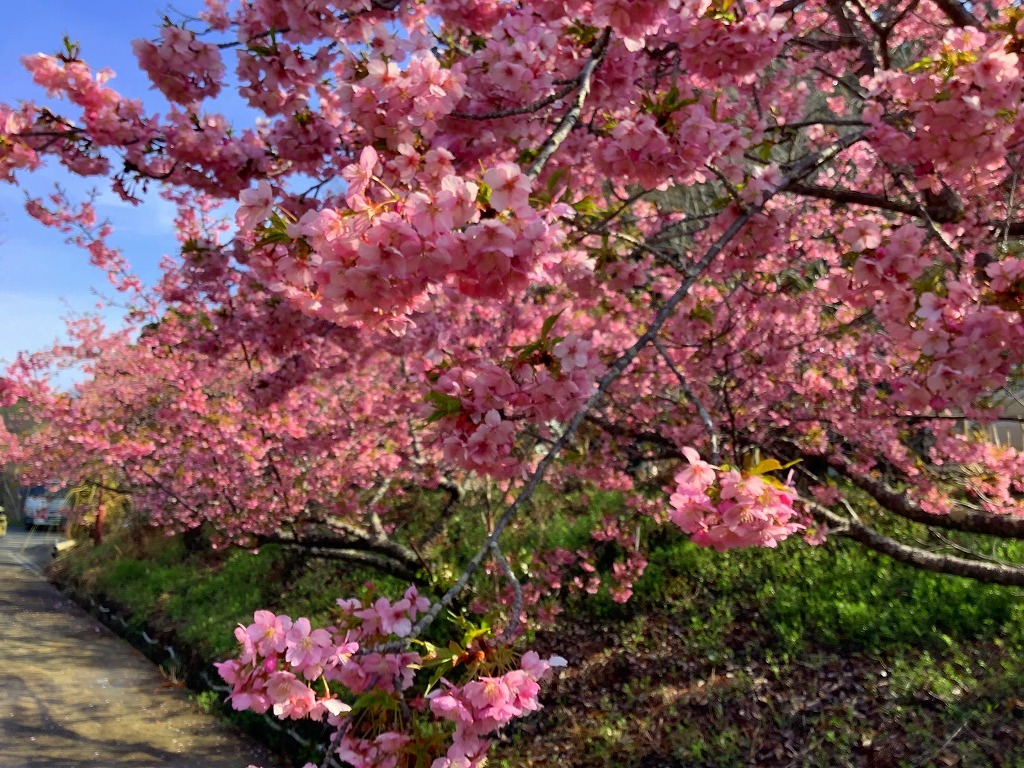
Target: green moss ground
(800, 657)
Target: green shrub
(837, 596)
(213, 603)
(846, 598)
(142, 586)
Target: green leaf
(771, 465)
(923, 65)
(473, 634)
(375, 700)
(526, 157)
(273, 237)
(555, 179)
(444, 405)
(549, 323)
(586, 206)
(702, 312)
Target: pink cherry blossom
(255, 205)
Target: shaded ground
(641, 695)
(72, 695)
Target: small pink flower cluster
(953, 109)
(281, 657)
(557, 572)
(482, 706)
(297, 672)
(959, 341)
(726, 509)
(15, 154)
(186, 70)
(966, 349)
(736, 51)
(624, 572)
(80, 224)
(483, 434)
(105, 113)
(408, 225)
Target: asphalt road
(74, 695)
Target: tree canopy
(756, 266)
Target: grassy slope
(803, 657)
(828, 657)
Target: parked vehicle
(46, 508)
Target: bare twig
(948, 542)
(375, 523)
(569, 120)
(380, 562)
(517, 591)
(955, 12)
(702, 412)
(848, 122)
(561, 93)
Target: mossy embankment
(827, 656)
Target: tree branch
(943, 212)
(794, 171)
(990, 573)
(963, 520)
(378, 528)
(111, 488)
(454, 494)
(899, 504)
(955, 12)
(1013, 228)
(702, 412)
(337, 535)
(615, 370)
(850, 30)
(786, 7)
(569, 120)
(947, 208)
(374, 560)
(517, 590)
(511, 112)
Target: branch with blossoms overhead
(472, 252)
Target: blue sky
(41, 278)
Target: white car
(45, 508)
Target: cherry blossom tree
(754, 265)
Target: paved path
(73, 695)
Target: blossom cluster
(282, 658)
(549, 383)
(409, 224)
(626, 571)
(958, 103)
(109, 119)
(956, 329)
(558, 571)
(15, 155)
(482, 706)
(725, 508)
(298, 672)
(186, 70)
